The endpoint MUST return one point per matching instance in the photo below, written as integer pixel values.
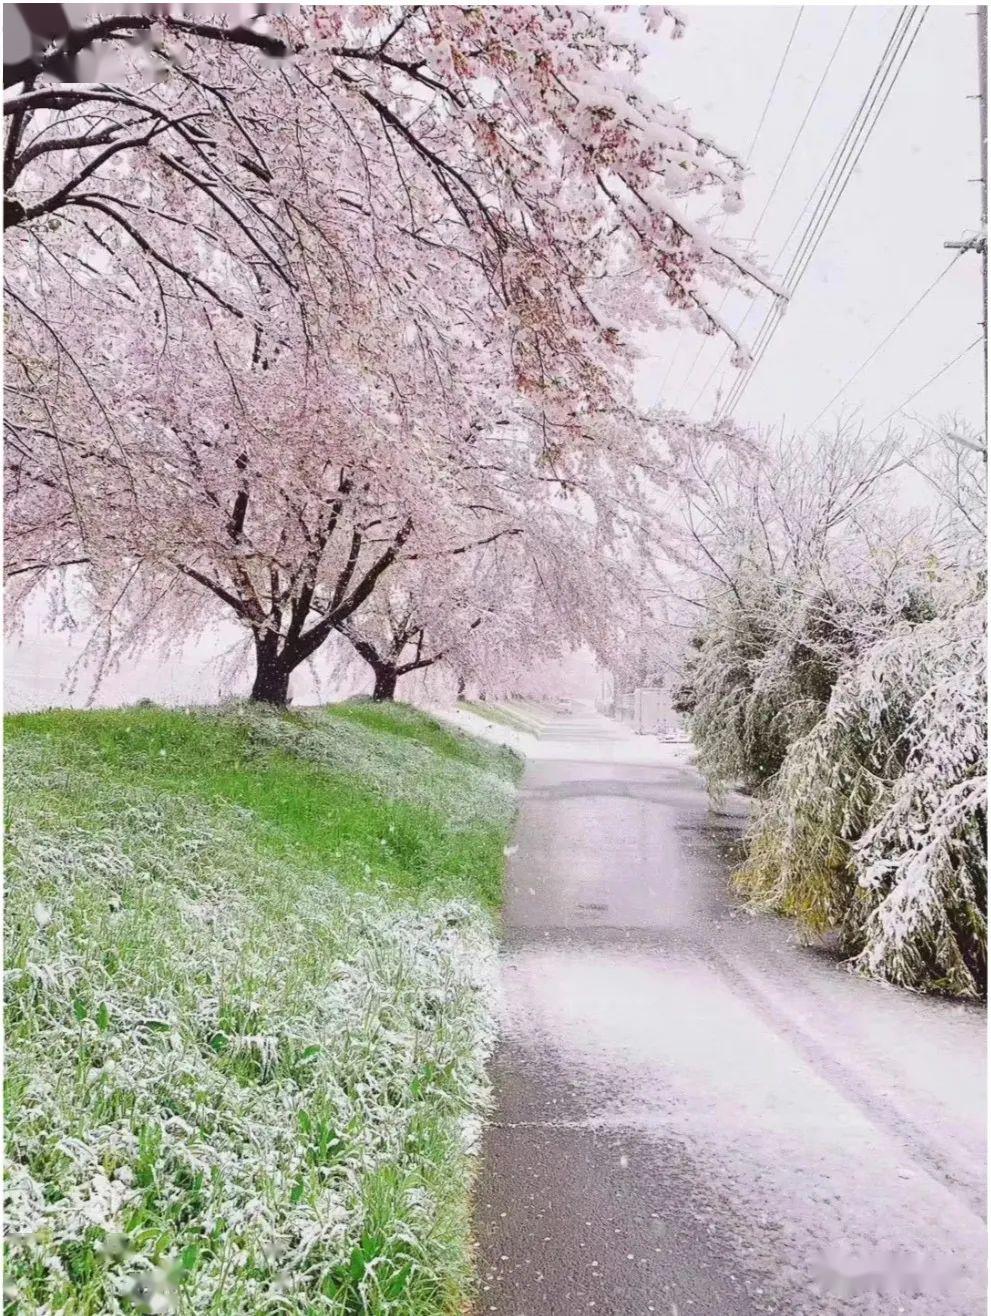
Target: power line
(852, 164)
(827, 176)
(886, 339)
(922, 387)
(821, 187)
(805, 119)
(898, 48)
(777, 182)
(774, 84)
(829, 200)
(746, 155)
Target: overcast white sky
(884, 245)
(911, 191)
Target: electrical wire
(805, 119)
(805, 258)
(858, 135)
(822, 185)
(832, 192)
(774, 84)
(922, 387)
(887, 338)
(746, 155)
(817, 191)
(777, 182)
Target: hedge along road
(695, 1114)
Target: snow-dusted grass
(400, 765)
(248, 985)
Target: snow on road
(695, 1114)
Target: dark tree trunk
(272, 675)
(271, 685)
(385, 683)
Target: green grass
(305, 804)
(403, 721)
(249, 963)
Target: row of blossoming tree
(327, 322)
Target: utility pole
(980, 243)
(982, 102)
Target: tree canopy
(295, 302)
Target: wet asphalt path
(694, 1114)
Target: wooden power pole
(982, 101)
(980, 243)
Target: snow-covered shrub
(837, 673)
(795, 563)
(762, 668)
(758, 676)
(875, 824)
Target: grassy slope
(247, 1006)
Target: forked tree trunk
(385, 683)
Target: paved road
(695, 1116)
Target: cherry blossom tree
(514, 141)
(419, 619)
(566, 574)
(275, 329)
(475, 173)
(288, 487)
(484, 615)
(282, 487)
